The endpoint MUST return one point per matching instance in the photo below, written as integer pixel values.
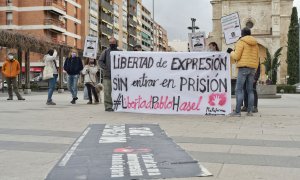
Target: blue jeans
(245, 75)
(72, 84)
(52, 83)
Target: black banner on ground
(125, 152)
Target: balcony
(106, 5)
(55, 6)
(104, 41)
(55, 25)
(131, 41)
(131, 22)
(107, 18)
(132, 31)
(105, 30)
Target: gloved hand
(229, 50)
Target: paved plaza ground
(33, 137)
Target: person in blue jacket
(73, 65)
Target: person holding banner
(104, 62)
(246, 57)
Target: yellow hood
(249, 40)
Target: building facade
(160, 38)
(147, 30)
(269, 21)
(90, 18)
(56, 20)
(106, 22)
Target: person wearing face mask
(11, 69)
(213, 46)
(89, 71)
(104, 62)
(73, 66)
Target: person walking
(49, 60)
(246, 57)
(73, 66)
(11, 69)
(104, 62)
(245, 107)
(89, 71)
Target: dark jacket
(104, 63)
(73, 66)
(257, 74)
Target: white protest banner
(171, 83)
(90, 47)
(197, 41)
(231, 28)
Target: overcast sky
(175, 15)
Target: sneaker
(51, 103)
(90, 102)
(21, 99)
(96, 102)
(235, 114)
(10, 98)
(244, 109)
(255, 110)
(249, 114)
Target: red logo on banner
(217, 99)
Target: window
(75, 28)
(75, 12)
(9, 18)
(93, 21)
(9, 2)
(249, 24)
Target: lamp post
(298, 86)
(193, 27)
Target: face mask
(10, 57)
(73, 55)
(113, 46)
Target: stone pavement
(33, 137)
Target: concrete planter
(267, 91)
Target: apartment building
(90, 18)
(120, 23)
(160, 38)
(147, 31)
(56, 20)
(106, 22)
(132, 24)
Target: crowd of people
(245, 56)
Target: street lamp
(193, 27)
(298, 86)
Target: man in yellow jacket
(246, 57)
(11, 69)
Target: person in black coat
(73, 66)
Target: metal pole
(153, 9)
(298, 87)
(193, 25)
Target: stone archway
(262, 56)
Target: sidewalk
(33, 136)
